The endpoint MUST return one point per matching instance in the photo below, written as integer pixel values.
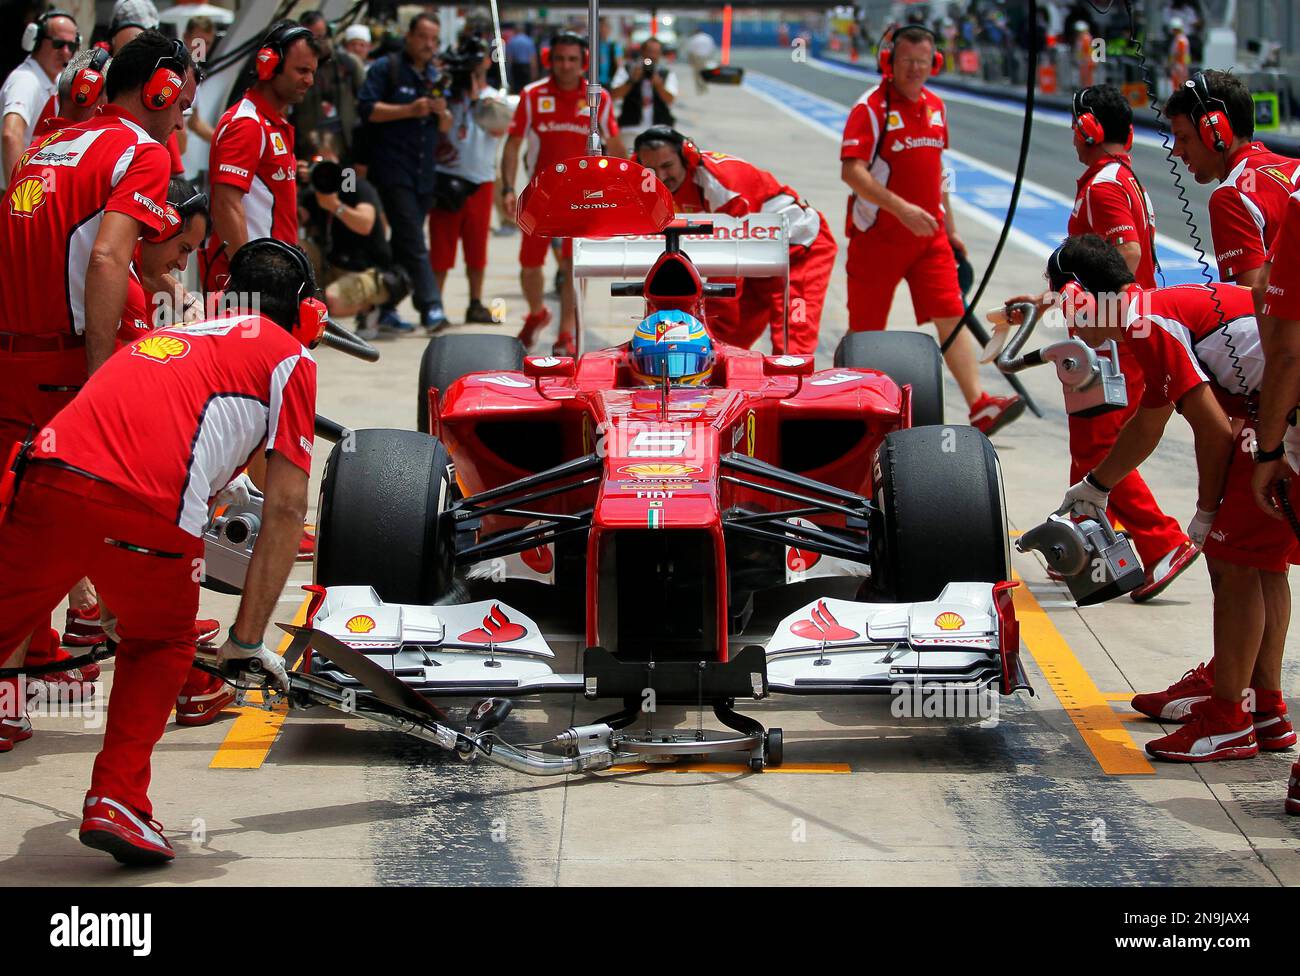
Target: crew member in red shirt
(129, 500)
(900, 225)
(1201, 351)
(1111, 202)
(79, 96)
(251, 164)
(1213, 119)
(713, 182)
(554, 120)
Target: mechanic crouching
(126, 503)
(1199, 347)
(344, 222)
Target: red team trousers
(61, 523)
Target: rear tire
(906, 358)
(941, 517)
(449, 357)
(381, 518)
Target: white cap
(1175, 23)
(357, 32)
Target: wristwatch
(1263, 457)
(338, 211)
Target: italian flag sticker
(655, 515)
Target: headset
(885, 59)
(1087, 124)
(34, 32)
(168, 79)
(270, 56)
(1213, 126)
(689, 152)
(84, 85)
(177, 215)
(567, 37)
(309, 324)
(1074, 299)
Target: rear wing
(753, 246)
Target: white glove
(238, 492)
(1084, 498)
(1199, 527)
(272, 664)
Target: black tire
(941, 517)
(774, 748)
(380, 516)
(449, 357)
(905, 357)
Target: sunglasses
(72, 46)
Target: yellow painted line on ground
(1115, 696)
(1100, 727)
(254, 730)
(816, 769)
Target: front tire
(907, 358)
(941, 518)
(449, 357)
(381, 516)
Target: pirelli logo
(149, 205)
(234, 170)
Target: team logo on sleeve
(27, 196)
(161, 348)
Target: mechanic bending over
(51, 335)
(900, 223)
(1213, 119)
(1209, 368)
(713, 182)
(1111, 202)
(128, 502)
(552, 117)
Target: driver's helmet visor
(681, 363)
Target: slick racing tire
(940, 515)
(381, 520)
(449, 357)
(906, 358)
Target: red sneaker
(108, 825)
(1174, 704)
(566, 344)
(990, 414)
(306, 547)
(1293, 791)
(14, 725)
(1216, 730)
(202, 698)
(205, 630)
(81, 628)
(1164, 572)
(534, 322)
(1273, 730)
(61, 686)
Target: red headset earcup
(267, 61)
(1215, 130)
(87, 86)
(162, 89)
(886, 62)
(937, 67)
(1077, 305)
(690, 154)
(312, 315)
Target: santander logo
(821, 625)
(497, 629)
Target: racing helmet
(675, 339)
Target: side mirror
(788, 365)
(538, 367)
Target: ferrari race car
(776, 529)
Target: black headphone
(567, 37)
(686, 149)
(309, 323)
(270, 56)
(34, 32)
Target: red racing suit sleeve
(1238, 245)
(236, 153)
(1168, 363)
(142, 190)
(860, 130)
(519, 124)
(291, 428)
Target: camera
(458, 67)
(325, 176)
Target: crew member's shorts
(877, 262)
(356, 289)
(1242, 534)
(471, 224)
(532, 250)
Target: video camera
(325, 176)
(458, 66)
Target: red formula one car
(781, 529)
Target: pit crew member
(713, 182)
(251, 164)
(1213, 120)
(78, 95)
(900, 225)
(1111, 202)
(1208, 366)
(51, 41)
(129, 502)
(553, 119)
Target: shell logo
(360, 624)
(161, 348)
(663, 469)
(949, 621)
(27, 196)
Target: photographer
(647, 89)
(403, 101)
(466, 178)
(344, 223)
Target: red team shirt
(252, 149)
(910, 162)
(555, 123)
(1246, 209)
(1111, 203)
(215, 390)
(727, 185)
(1282, 298)
(53, 209)
(48, 121)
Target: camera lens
(326, 176)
